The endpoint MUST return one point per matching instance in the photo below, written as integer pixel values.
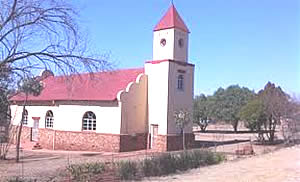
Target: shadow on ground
(206, 143)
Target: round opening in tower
(163, 42)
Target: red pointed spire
(171, 20)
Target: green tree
(200, 111)
(225, 104)
(254, 116)
(182, 119)
(276, 106)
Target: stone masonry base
(99, 142)
(85, 141)
(173, 142)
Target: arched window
(25, 117)
(180, 82)
(49, 119)
(89, 121)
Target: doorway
(35, 129)
(153, 134)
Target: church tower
(170, 81)
(170, 37)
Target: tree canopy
(201, 111)
(38, 35)
(276, 106)
(253, 114)
(43, 35)
(225, 104)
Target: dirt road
(280, 166)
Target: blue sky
(248, 42)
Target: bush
(164, 164)
(86, 171)
(127, 170)
(184, 160)
(150, 167)
(180, 161)
(167, 163)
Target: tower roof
(171, 20)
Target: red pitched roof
(102, 86)
(171, 20)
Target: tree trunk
(271, 139)
(235, 125)
(183, 139)
(272, 130)
(20, 131)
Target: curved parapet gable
(133, 101)
(140, 79)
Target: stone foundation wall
(133, 142)
(46, 138)
(173, 142)
(99, 142)
(160, 143)
(86, 141)
(25, 136)
(78, 141)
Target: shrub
(163, 164)
(219, 158)
(86, 171)
(167, 163)
(127, 170)
(150, 167)
(184, 160)
(180, 161)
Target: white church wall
(69, 117)
(163, 52)
(158, 94)
(33, 111)
(172, 49)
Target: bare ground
(47, 165)
(279, 166)
(282, 165)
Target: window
(180, 82)
(25, 117)
(89, 121)
(181, 42)
(49, 119)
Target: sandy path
(280, 166)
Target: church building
(116, 111)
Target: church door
(154, 131)
(35, 129)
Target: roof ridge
(106, 71)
